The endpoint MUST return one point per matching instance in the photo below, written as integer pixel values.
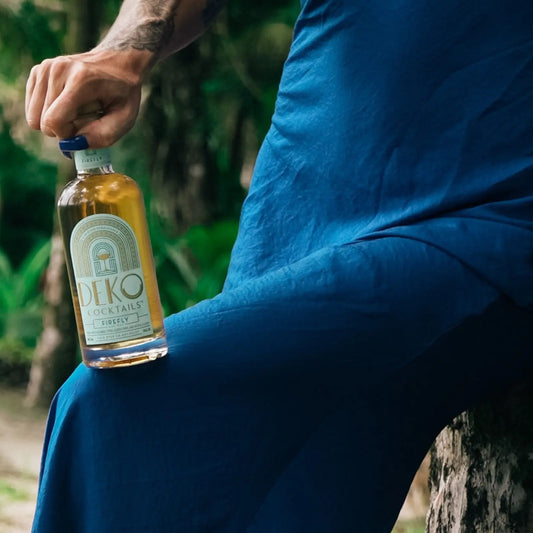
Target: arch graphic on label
(103, 244)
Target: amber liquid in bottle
(110, 266)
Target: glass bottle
(110, 265)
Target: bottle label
(109, 280)
(88, 159)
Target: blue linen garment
(380, 283)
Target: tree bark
(55, 354)
(481, 475)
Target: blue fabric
(380, 283)
(404, 118)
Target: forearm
(152, 30)
(61, 92)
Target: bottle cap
(73, 144)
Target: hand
(65, 95)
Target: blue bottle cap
(73, 144)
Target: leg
(270, 390)
(372, 445)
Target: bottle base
(103, 357)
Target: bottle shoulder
(111, 187)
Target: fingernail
(73, 143)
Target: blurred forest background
(204, 114)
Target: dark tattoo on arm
(152, 36)
(150, 24)
(145, 25)
(211, 10)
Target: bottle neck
(93, 161)
(107, 169)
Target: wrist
(129, 65)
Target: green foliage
(243, 15)
(20, 313)
(110, 11)
(20, 299)
(15, 362)
(193, 267)
(28, 36)
(41, 31)
(27, 193)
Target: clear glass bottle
(110, 265)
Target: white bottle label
(87, 159)
(109, 280)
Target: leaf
(30, 272)
(183, 265)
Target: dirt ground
(21, 436)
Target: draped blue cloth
(380, 283)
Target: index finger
(36, 89)
(30, 85)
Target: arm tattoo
(152, 34)
(211, 10)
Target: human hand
(96, 94)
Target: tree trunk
(481, 476)
(55, 354)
